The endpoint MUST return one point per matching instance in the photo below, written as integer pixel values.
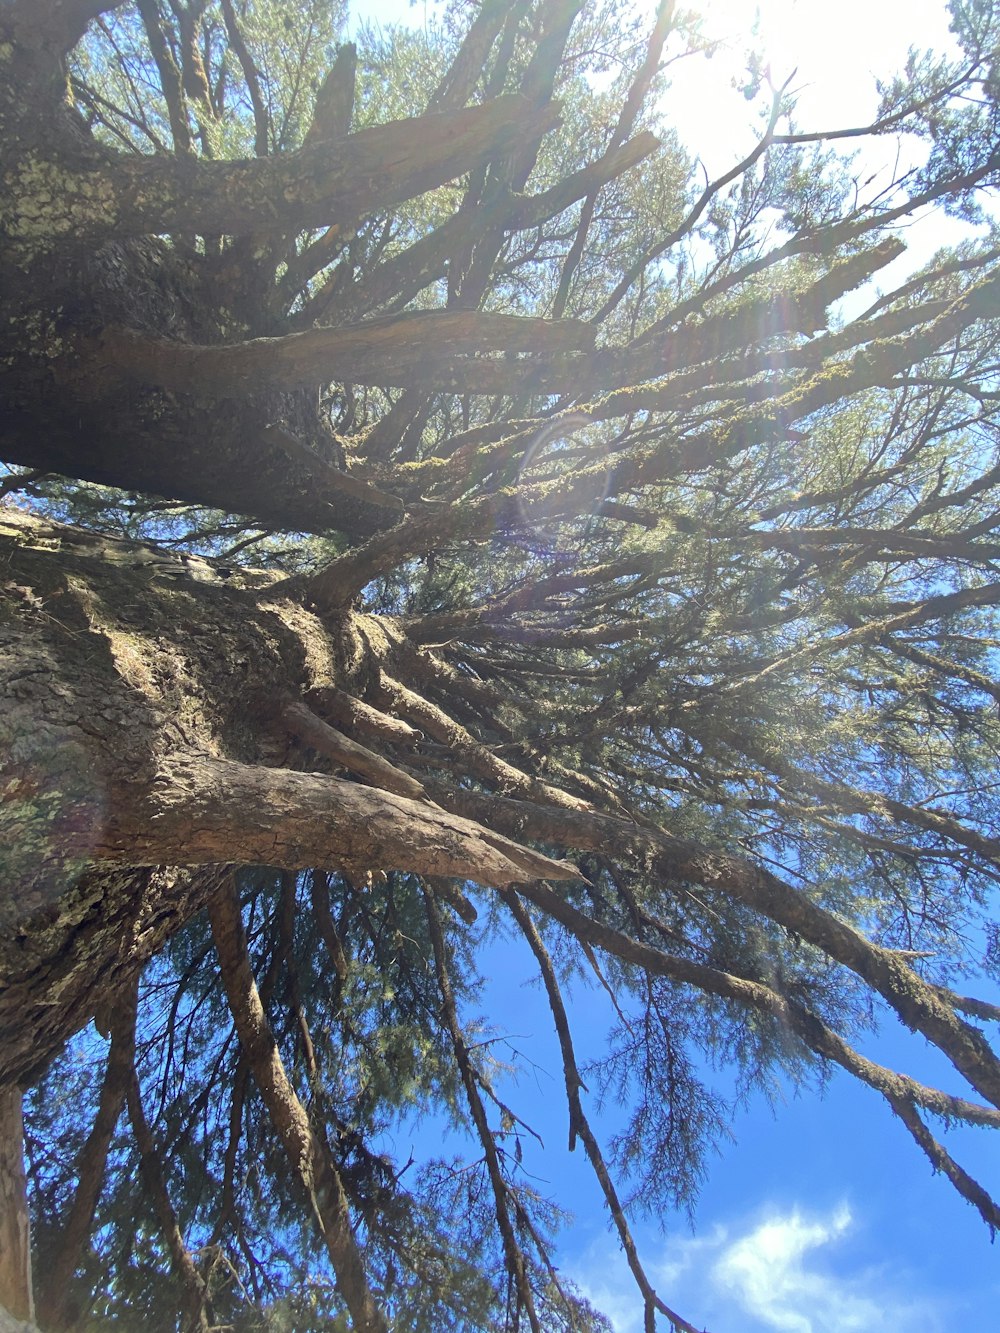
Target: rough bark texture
(15, 1228)
(128, 747)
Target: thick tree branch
(16, 1294)
(204, 811)
(346, 753)
(59, 24)
(317, 186)
(390, 350)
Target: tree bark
(15, 1230)
(150, 708)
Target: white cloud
(783, 1271)
(768, 1273)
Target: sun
(831, 56)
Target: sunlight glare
(833, 54)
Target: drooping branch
(55, 1292)
(513, 1254)
(319, 894)
(579, 1125)
(815, 1035)
(308, 1154)
(941, 1160)
(919, 1005)
(181, 1261)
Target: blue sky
(823, 1217)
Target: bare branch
(54, 1293)
(578, 1122)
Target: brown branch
(942, 666)
(308, 1155)
(726, 372)
(873, 542)
(336, 585)
(335, 98)
(513, 1254)
(861, 801)
(57, 25)
(207, 811)
(816, 1035)
(665, 243)
(435, 345)
(237, 1102)
(875, 366)
(195, 1294)
(469, 63)
(377, 168)
(941, 1160)
(920, 1006)
(475, 757)
(339, 706)
(16, 1294)
(261, 120)
(579, 1125)
(881, 623)
(626, 119)
(170, 75)
(91, 1163)
(326, 740)
(400, 278)
(450, 893)
(286, 927)
(333, 483)
(319, 894)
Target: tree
(431, 514)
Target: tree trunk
(151, 716)
(15, 1232)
